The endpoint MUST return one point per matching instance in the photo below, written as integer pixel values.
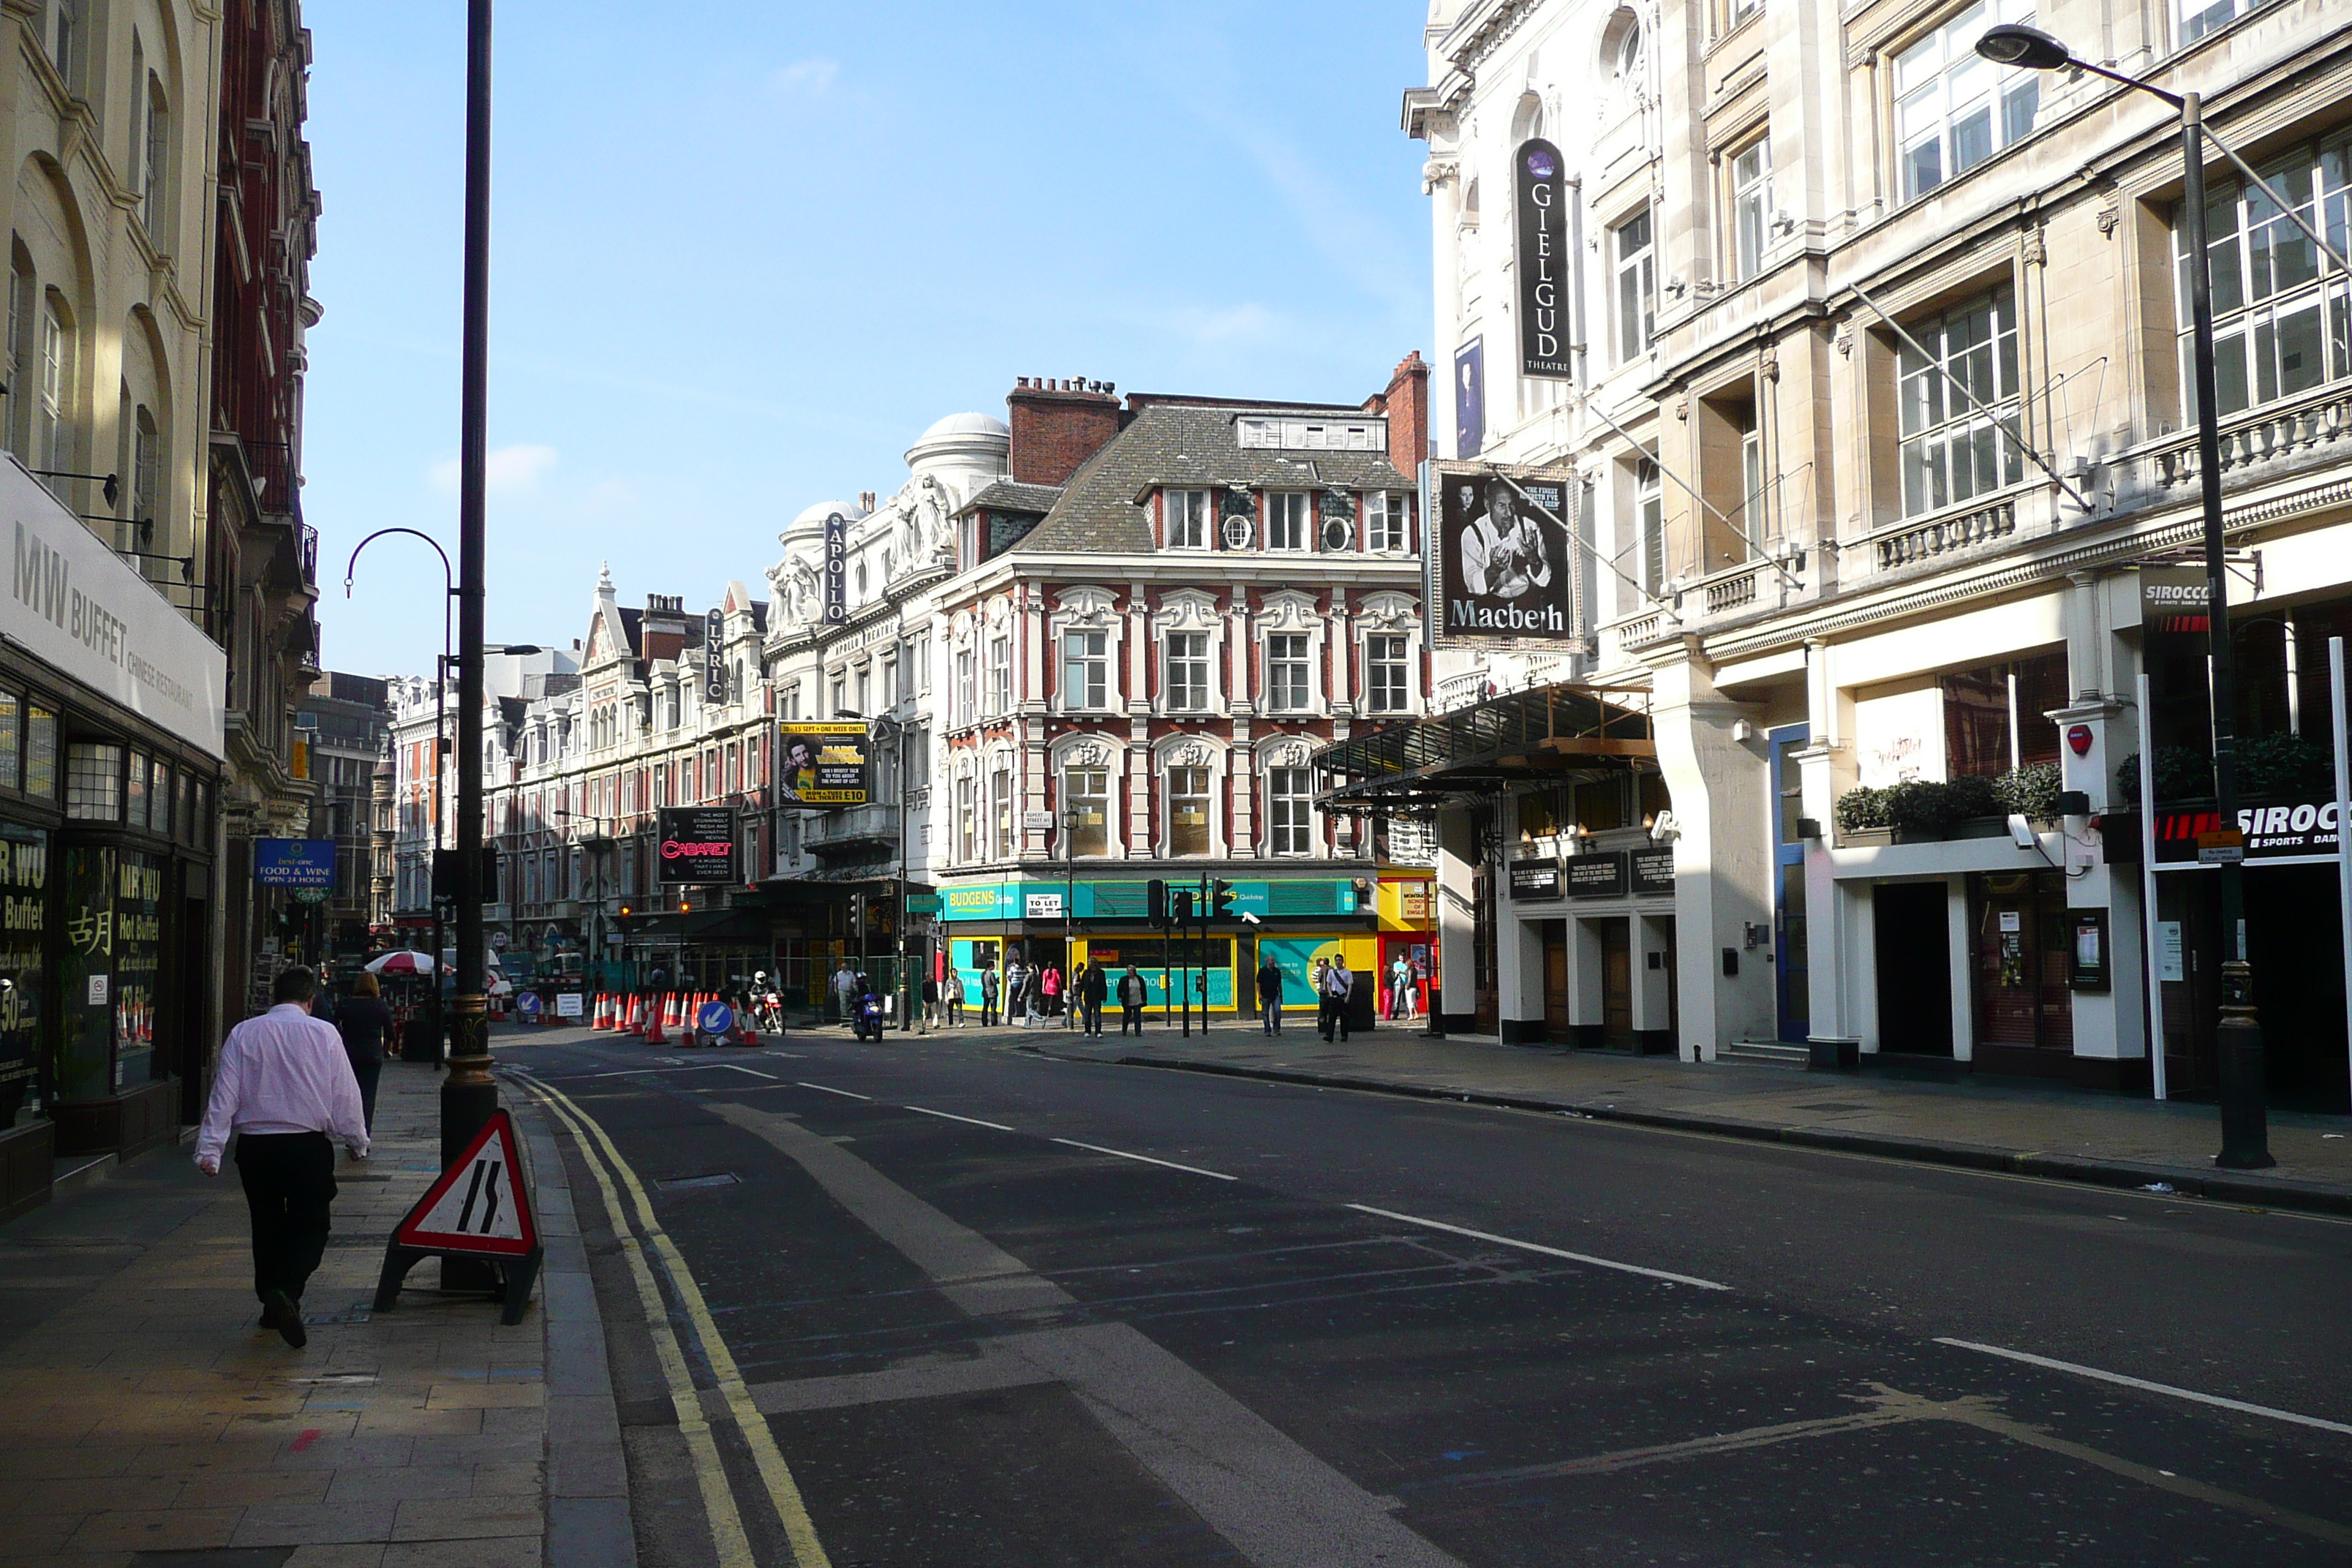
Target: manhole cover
(718, 1179)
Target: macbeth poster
(1503, 568)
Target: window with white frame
(968, 819)
(866, 689)
(1384, 525)
(2199, 17)
(1187, 677)
(1189, 516)
(1953, 108)
(1289, 810)
(1289, 676)
(1086, 804)
(53, 431)
(1751, 206)
(999, 807)
(1188, 810)
(889, 680)
(1636, 259)
(967, 688)
(1743, 9)
(1000, 674)
(1953, 448)
(1287, 515)
(840, 695)
(154, 164)
(1085, 670)
(1388, 673)
(1650, 522)
(2280, 323)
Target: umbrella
(402, 963)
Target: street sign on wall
(294, 862)
(697, 844)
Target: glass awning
(1543, 735)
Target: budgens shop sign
(73, 604)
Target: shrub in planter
(2030, 791)
(1921, 806)
(1973, 796)
(1862, 807)
(2285, 766)
(2182, 774)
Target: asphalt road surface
(939, 1303)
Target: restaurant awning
(1547, 734)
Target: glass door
(1789, 951)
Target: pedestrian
(1400, 988)
(930, 1004)
(364, 1021)
(844, 986)
(1049, 986)
(1339, 985)
(952, 998)
(282, 1085)
(1132, 992)
(991, 987)
(1094, 988)
(1317, 982)
(1016, 992)
(1269, 995)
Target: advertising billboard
(697, 844)
(1470, 397)
(294, 862)
(822, 764)
(1504, 565)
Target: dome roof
(966, 425)
(814, 516)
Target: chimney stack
(1406, 405)
(866, 502)
(1058, 426)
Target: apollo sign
(1544, 259)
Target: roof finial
(604, 580)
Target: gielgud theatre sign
(1503, 567)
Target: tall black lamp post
(2245, 1139)
(897, 740)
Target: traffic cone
(669, 1009)
(636, 1024)
(596, 1014)
(654, 1016)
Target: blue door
(1789, 887)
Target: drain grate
(716, 1178)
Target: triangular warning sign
(478, 1205)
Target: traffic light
(857, 916)
(1221, 898)
(1155, 902)
(1182, 906)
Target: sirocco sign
(697, 844)
(1543, 257)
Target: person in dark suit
(364, 1022)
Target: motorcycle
(869, 1017)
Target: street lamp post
(2244, 1130)
(897, 739)
(1069, 907)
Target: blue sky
(745, 252)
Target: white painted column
(1457, 851)
(1964, 980)
(1519, 973)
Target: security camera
(2021, 832)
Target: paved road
(1072, 1313)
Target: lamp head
(2027, 49)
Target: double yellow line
(727, 1534)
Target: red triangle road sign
(479, 1204)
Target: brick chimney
(1406, 405)
(1058, 426)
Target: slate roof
(1186, 443)
(1004, 495)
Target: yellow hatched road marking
(726, 1537)
(800, 1530)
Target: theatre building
(110, 747)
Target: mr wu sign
(1543, 261)
(836, 569)
(1503, 569)
(697, 844)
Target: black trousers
(368, 1073)
(1130, 1016)
(290, 1185)
(987, 1011)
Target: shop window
(12, 739)
(134, 792)
(93, 782)
(1993, 715)
(23, 879)
(1188, 810)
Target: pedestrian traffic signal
(1221, 898)
(1155, 902)
(1182, 906)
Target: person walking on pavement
(1132, 993)
(283, 1085)
(364, 1021)
(952, 998)
(1318, 981)
(1269, 995)
(1400, 988)
(1049, 986)
(844, 986)
(1339, 985)
(1094, 986)
(989, 988)
(930, 1004)
(1016, 993)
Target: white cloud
(507, 469)
(811, 78)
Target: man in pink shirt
(283, 1084)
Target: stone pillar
(1717, 784)
(1457, 861)
(1518, 974)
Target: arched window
(52, 415)
(153, 163)
(21, 295)
(146, 466)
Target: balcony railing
(2275, 434)
(854, 828)
(1949, 532)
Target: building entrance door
(1617, 985)
(2024, 1008)
(1913, 947)
(1557, 1019)
(1788, 952)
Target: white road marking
(952, 1116)
(1123, 1155)
(1547, 1251)
(755, 1072)
(821, 1089)
(632, 1072)
(2165, 1388)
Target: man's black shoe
(279, 1311)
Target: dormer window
(1187, 517)
(1287, 520)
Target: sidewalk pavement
(2005, 1124)
(143, 1409)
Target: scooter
(870, 1017)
